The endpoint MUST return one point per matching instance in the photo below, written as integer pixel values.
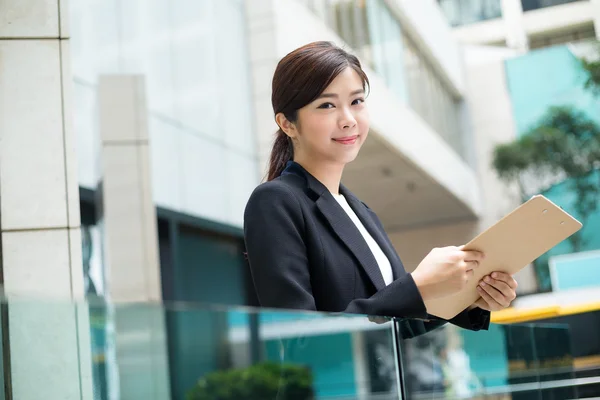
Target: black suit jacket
(306, 253)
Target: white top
(380, 257)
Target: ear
(289, 128)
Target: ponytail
(282, 152)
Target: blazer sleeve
(474, 320)
(273, 234)
(274, 231)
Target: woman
(311, 243)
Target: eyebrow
(359, 91)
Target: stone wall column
(47, 350)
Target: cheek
(363, 121)
(318, 127)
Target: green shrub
(259, 382)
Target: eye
(358, 101)
(326, 106)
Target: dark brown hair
(301, 77)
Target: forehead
(347, 81)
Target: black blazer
(305, 253)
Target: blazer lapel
(346, 230)
(342, 225)
(378, 235)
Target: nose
(347, 119)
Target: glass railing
(530, 5)
(512, 361)
(464, 12)
(56, 350)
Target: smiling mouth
(347, 140)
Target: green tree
(592, 68)
(564, 146)
(268, 380)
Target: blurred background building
(133, 132)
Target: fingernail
(480, 289)
(487, 279)
(482, 283)
(495, 275)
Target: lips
(347, 139)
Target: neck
(328, 173)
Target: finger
(469, 265)
(483, 304)
(490, 302)
(502, 286)
(494, 294)
(469, 274)
(507, 278)
(473, 255)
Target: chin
(348, 157)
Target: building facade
(150, 124)
(210, 123)
(554, 36)
(522, 24)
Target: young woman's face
(334, 126)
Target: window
(530, 5)
(429, 97)
(462, 12)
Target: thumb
(481, 303)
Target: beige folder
(512, 243)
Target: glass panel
(276, 354)
(520, 361)
(555, 361)
(2, 352)
(529, 5)
(195, 352)
(462, 12)
(449, 363)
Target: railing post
(398, 350)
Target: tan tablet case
(512, 243)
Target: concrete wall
(193, 57)
(516, 28)
(39, 206)
(560, 17)
(128, 213)
(484, 32)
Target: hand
(497, 291)
(445, 271)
